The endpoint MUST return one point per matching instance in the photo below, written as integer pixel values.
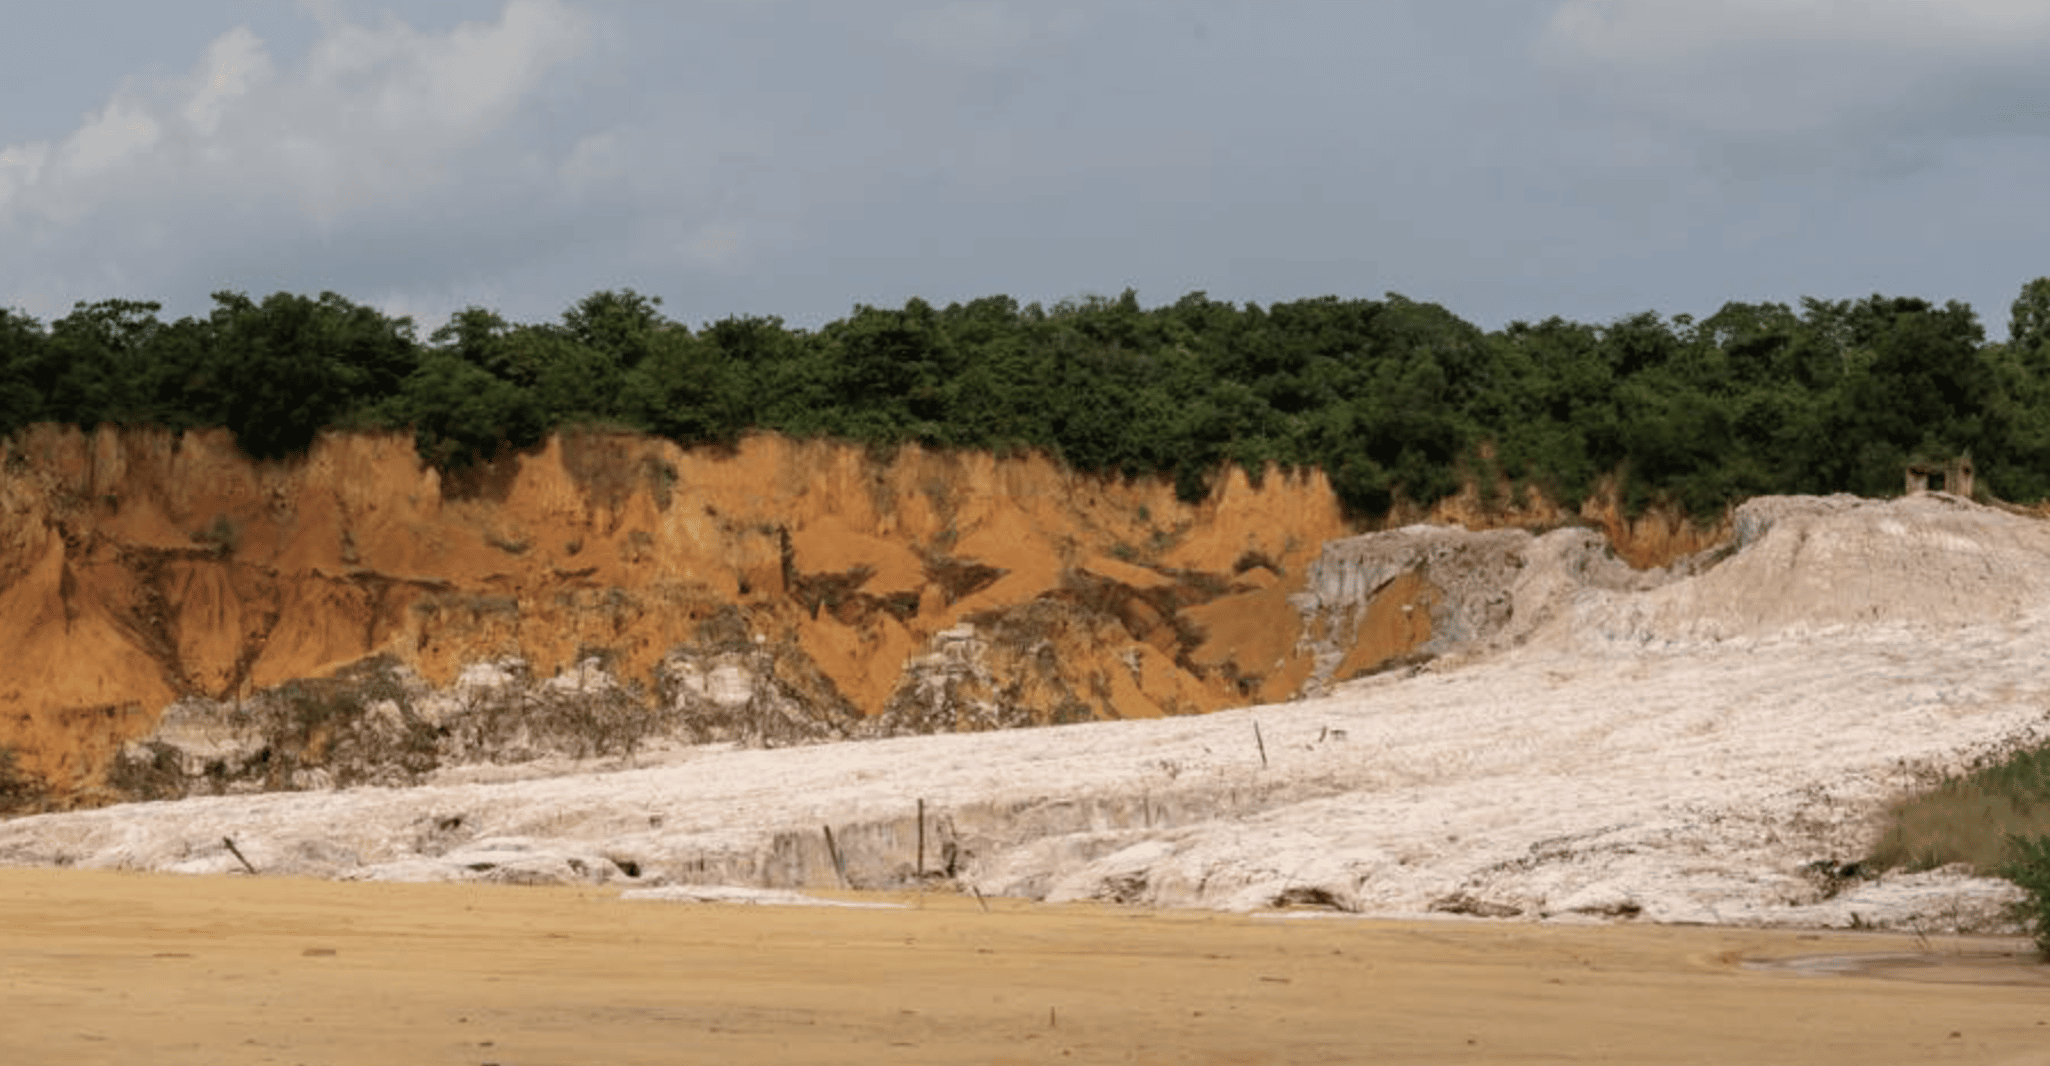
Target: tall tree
(2028, 327)
(22, 344)
(299, 365)
(622, 324)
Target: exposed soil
(105, 968)
(140, 568)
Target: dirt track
(111, 968)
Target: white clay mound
(1806, 565)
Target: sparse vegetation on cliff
(1393, 398)
(17, 789)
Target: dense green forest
(1395, 399)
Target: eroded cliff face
(175, 618)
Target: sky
(1509, 160)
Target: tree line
(1393, 398)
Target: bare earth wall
(175, 618)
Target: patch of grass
(1970, 817)
(1994, 817)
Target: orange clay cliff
(176, 618)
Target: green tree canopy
(1396, 399)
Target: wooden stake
(833, 850)
(239, 856)
(1263, 745)
(979, 899)
(921, 838)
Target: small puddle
(2019, 967)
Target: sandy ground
(99, 967)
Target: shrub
(2028, 866)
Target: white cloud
(462, 84)
(419, 167)
(21, 167)
(235, 65)
(373, 115)
(109, 145)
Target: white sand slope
(1675, 751)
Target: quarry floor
(102, 967)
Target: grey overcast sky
(1585, 158)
